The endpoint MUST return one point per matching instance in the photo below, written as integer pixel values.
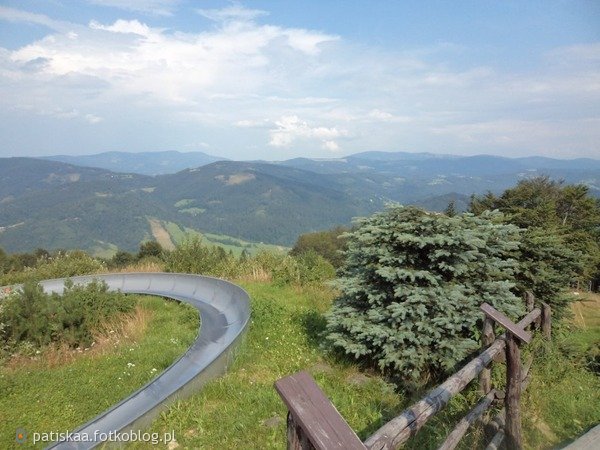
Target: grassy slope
(231, 412)
(39, 399)
(563, 398)
(242, 409)
(179, 235)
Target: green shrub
(330, 244)
(314, 268)
(151, 248)
(192, 256)
(122, 259)
(31, 316)
(61, 265)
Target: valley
(240, 204)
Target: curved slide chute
(224, 313)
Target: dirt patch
(236, 178)
(161, 235)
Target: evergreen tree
(412, 286)
(563, 227)
(450, 210)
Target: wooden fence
(314, 423)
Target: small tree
(150, 248)
(450, 210)
(122, 259)
(562, 238)
(412, 286)
(330, 244)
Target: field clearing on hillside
(237, 246)
(161, 235)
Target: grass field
(242, 409)
(61, 389)
(237, 246)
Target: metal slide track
(224, 313)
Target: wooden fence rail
(312, 416)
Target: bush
(330, 244)
(412, 286)
(150, 248)
(31, 316)
(192, 256)
(122, 259)
(61, 265)
(314, 268)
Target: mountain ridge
(53, 205)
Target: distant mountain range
(51, 204)
(145, 163)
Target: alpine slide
(224, 311)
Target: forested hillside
(55, 205)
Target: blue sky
(280, 79)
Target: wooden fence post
(296, 438)
(514, 440)
(487, 338)
(529, 300)
(546, 321)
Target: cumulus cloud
(257, 83)
(141, 60)
(332, 146)
(291, 128)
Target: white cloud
(235, 12)
(17, 15)
(385, 116)
(332, 146)
(291, 128)
(93, 119)
(124, 26)
(252, 123)
(154, 7)
(182, 68)
(577, 53)
(255, 83)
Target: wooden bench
(313, 422)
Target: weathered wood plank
(487, 337)
(496, 442)
(546, 321)
(399, 429)
(497, 425)
(512, 431)
(529, 300)
(316, 417)
(296, 438)
(500, 318)
(461, 428)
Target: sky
(281, 79)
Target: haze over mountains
(53, 204)
(145, 163)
